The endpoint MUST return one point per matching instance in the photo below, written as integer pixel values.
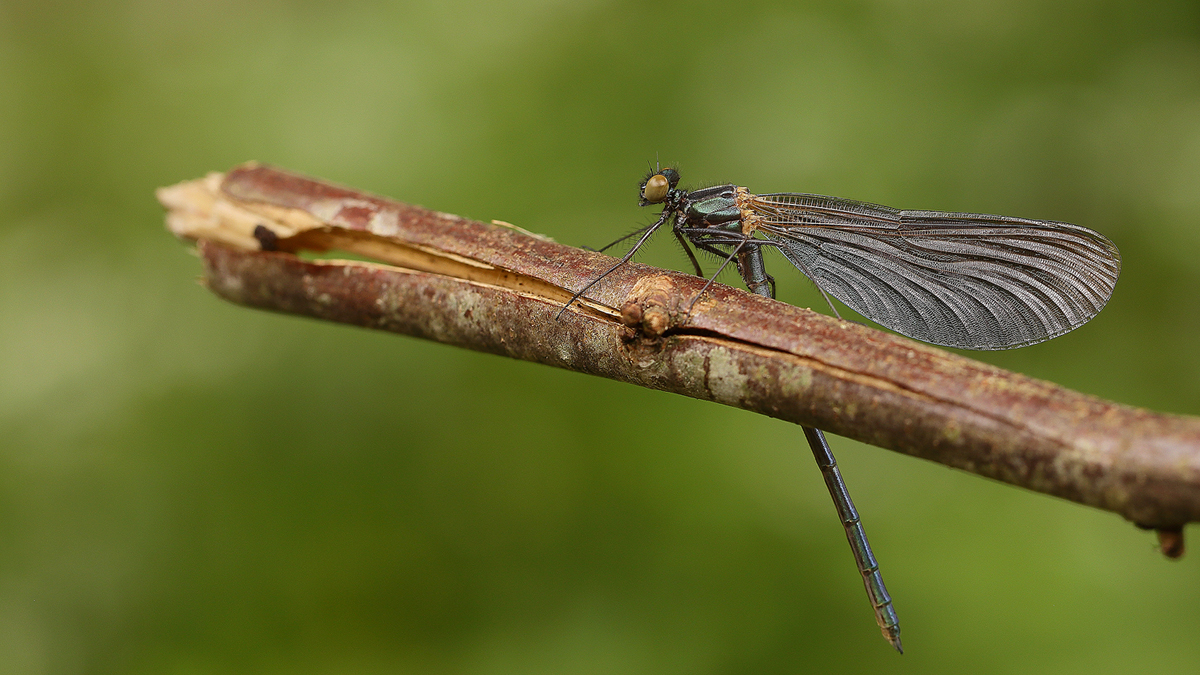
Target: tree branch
(497, 289)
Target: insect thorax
(711, 206)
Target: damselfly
(963, 280)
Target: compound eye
(656, 188)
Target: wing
(956, 279)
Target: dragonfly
(965, 280)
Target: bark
(498, 289)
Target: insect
(965, 280)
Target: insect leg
(602, 249)
(688, 250)
(720, 269)
(626, 258)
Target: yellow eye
(656, 188)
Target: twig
(496, 288)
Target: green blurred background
(191, 487)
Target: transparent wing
(956, 279)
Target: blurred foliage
(191, 487)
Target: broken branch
(496, 288)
